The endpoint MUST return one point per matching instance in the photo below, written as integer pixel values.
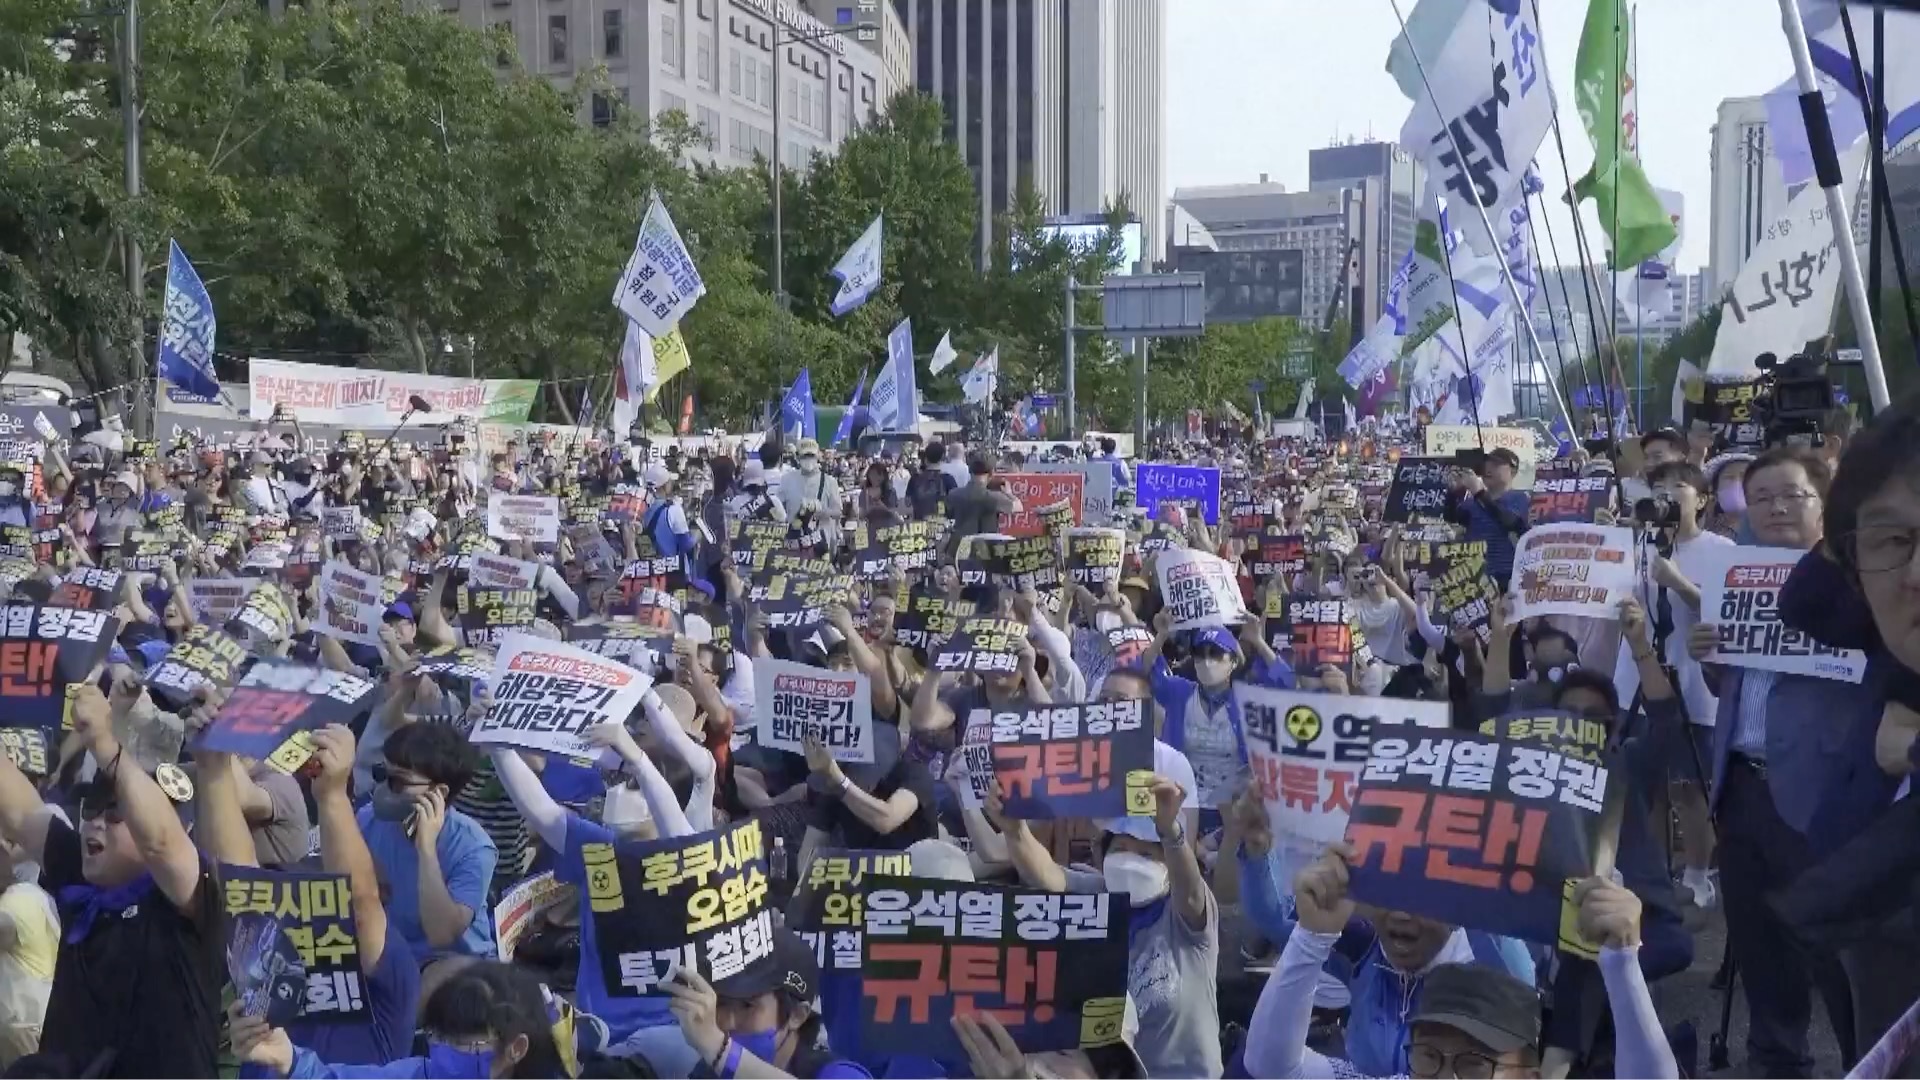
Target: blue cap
(118, 655)
(401, 610)
(153, 651)
(1218, 636)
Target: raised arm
(547, 818)
(164, 845)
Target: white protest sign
(271, 555)
(547, 694)
(524, 517)
(1740, 595)
(490, 571)
(215, 600)
(794, 702)
(1572, 569)
(1447, 439)
(522, 905)
(970, 767)
(660, 283)
(340, 522)
(1307, 751)
(1096, 497)
(350, 607)
(1200, 589)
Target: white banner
(894, 400)
(1096, 493)
(215, 600)
(979, 384)
(1306, 752)
(943, 353)
(1445, 440)
(350, 607)
(1201, 590)
(970, 765)
(1740, 595)
(859, 270)
(660, 283)
(547, 694)
(793, 702)
(490, 571)
(522, 905)
(358, 397)
(1583, 570)
(340, 522)
(524, 517)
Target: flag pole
(1513, 289)
(1813, 108)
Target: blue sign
(1155, 481)
(185, 354)
(796, 410)
(1043, 401)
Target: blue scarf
(81, 904)
(1141, 919)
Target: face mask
(1105, 621)
(8, 489)
(1733, 498)
(451, 1062)
(1213, 670)
(809, 466)
(1141, 878)
(391, 805)
(1555, 673)
(761, 1044)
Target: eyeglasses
(1786, 500)
(383, 773)
(1424, 1060)
(1877, 549)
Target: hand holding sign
(990, 1050)
(93, 722)
(1320, 892)
(333, 754)
(696, 1007)
(1609, 913)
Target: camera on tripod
(1793, 398)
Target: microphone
(415, 404)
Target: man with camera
(1491, 510)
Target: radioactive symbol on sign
(1303, 724)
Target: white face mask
(809, 465)
(1141, 878)
(1105, 621)
(1213, 671)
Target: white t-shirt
(1385, 626)
(1700, 702)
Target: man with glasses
(1777, 741)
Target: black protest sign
(17, 541)
(1019, 563)
(265, 616)
(697, 902)
(628, 642)
(89, 588)
(1462, 591)
(292, 950)
(825, 910)
(1476, 830)
(203, 656)
(1094, 556)
(1325, 632)
(274, 708)
(43, 652)
(626, 502)
(882, 551)
(145, 551)
(983, 644)
(1247, 517)
(1571, 498)
(1728, 408)
(1159, 536)
(487, 616)
(1128, 644)
(796, 601)
(1280, 554)
(1050, 967)
(652, 570)
(1074, 761)
(29, 748)
(754, 541)
(1418, 490)
(928, 618)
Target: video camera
(1793, 398)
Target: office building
(1320, 225)
(888, 38)
(1396, 213)
(1066, 97)
(713, 60)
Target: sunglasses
(109, 811)
(383, 774)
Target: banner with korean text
(1200, 589)
(546, 695)
(795, 702)
(376, 400)
(277, 705)
(1583, 570)
(690, 902)
(826, 905)
(45, 651)
(1073, 761)
(292, 951)
(1740, 595)
(1155, 482)
(1306, 752)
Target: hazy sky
(1257, 83)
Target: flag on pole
(858, 271)
(1827, 41)
(1787, 128)
(1628, 207)
(796, 411)
(943, 353)
(670, 358)
(896, 398)
(980, 381)
(584, 418)
(660, 283)
(185, 349)
(853, 406)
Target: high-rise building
(1320, 225)
(1747, 187)
(1396, 213)
(888, 36)
(1066, 97)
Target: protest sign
(88, 588)
(521, 907)
(1569, 499)
(490, 571)
(350, 608)
(1036, 490)
(794, 702)
(1740, 595)
(882, 551)
(456, 666)
(1727, 407)
(214, 600)
(1018, 563)
(754, 542)
(1281, 554)
(43, 651)
(1074, 761)
(928, 618)
(524, 517)
(340, 522)
(1573, 570)
(377, 400)
(1127, 643)
(658, 611)
(969, 769)
(203, 656)
(799, 601)
(487, 616)
(1462, 591)
(1051, 968)
(826, 906)
(1200, 589)
(1157, 537)
(29, 749)
(1326, 632)
(660, 283)
(1476, 830)
(292, 951)
(265, 616)
(983, 644)
(1306, 751)
(1157, 482)
(1445, 440)
(697, 902)
(1419, 489)
(547, 694)
(1096, 486)
(1094, 557)
(272, 711)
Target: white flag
(980, 381)
(1347, 407)
(1306, 397)
(1784, 295)
(943, 353)
(858, 271)
(660, 283)
(894, 400)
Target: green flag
(1629, 210)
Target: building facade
(1399, 182)
(888, 38)
(1747, 187)
(1323, 226)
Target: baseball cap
(399, 609)
(1505, 456)
(1489, 1006)
(1217, 636)
(805, 447)
(790, 970)
(657, 474)
(754, 473)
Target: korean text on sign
(291, 934)
(985, 645)
(826, 907)
(1573, 570)
(1073, 761)
(43, 651)
(1306, 752)
(696, 902)
(546, 695)
(1740, 595)
(273, 710)
(794, 703)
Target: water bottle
(777, 870)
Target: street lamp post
(779, 246)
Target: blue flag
(853, 407)
(185, 351)
(796, 412)
(858, 271)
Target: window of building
(449, 5)
(706, 9)
(670, 43)
(703, 67)
(795, 100)
(602, 110)
(612, 35)
(672, 103)
(556, 39)
(503, 30)
(709, 121)
(733, 70)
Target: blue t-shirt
(570, 783)
(393, 989)
(467, 856)
(622, 1015)
(1482, 525)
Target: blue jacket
(1175, 695)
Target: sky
(1255, 84)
